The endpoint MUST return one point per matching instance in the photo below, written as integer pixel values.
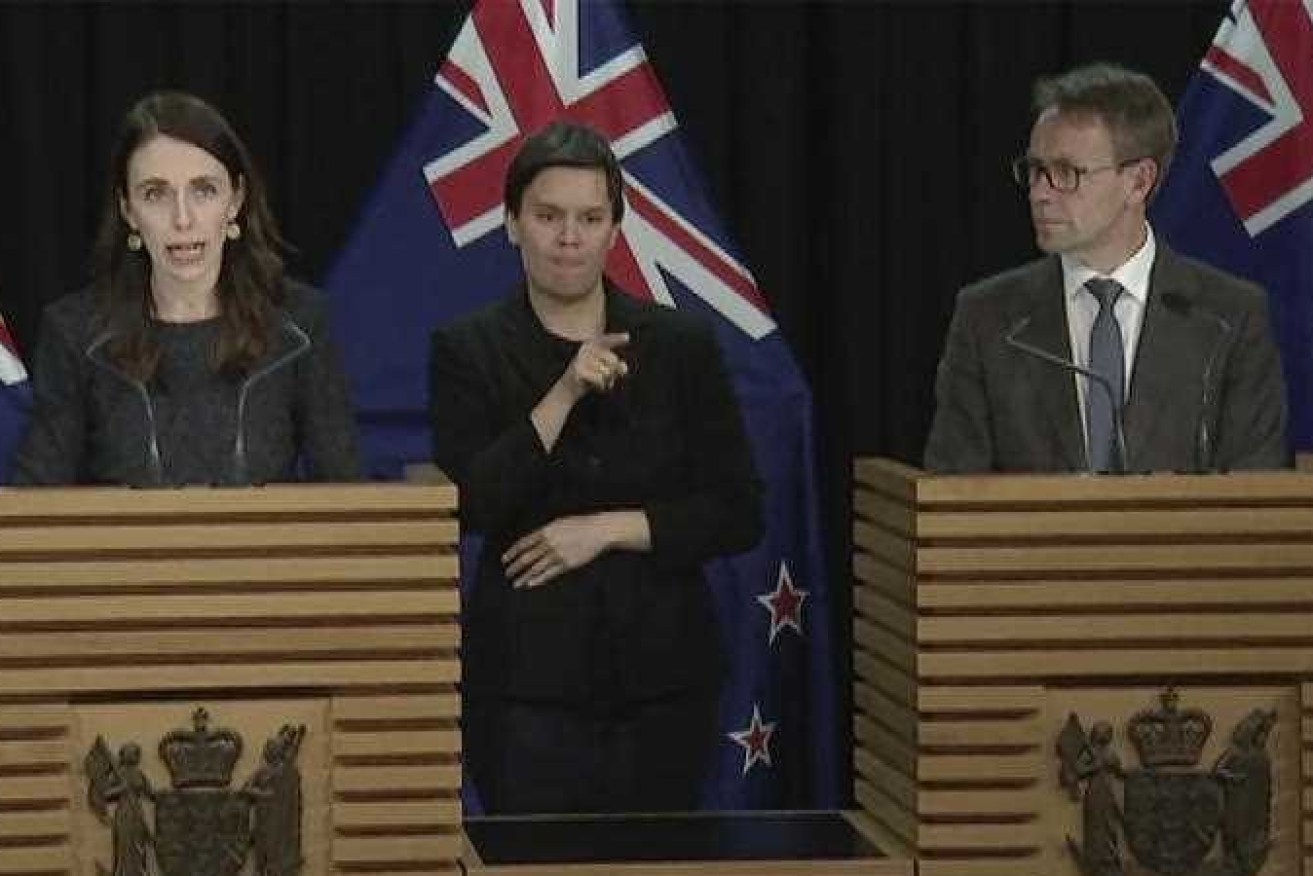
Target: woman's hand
(571, 542)
(597, 367)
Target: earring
(233, 231)
(134, 241)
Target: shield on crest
(201, 832)
(1171, 818)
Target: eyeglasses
(1061, 176)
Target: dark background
(857, 149)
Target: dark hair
(564, 144)
(1131, 105)
(250, 284)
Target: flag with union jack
(429, 246)
(1240, 193)
(15, 399)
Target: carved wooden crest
(201, 826)
(1172, 814)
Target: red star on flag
(784, 604)
(755, 740)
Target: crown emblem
(1169, 736)
(200, 757)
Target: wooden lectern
(123, 613)
(993, 611)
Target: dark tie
(1106, 358)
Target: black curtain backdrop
(858, 151)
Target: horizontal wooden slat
(397, 815)
(331, 501)
(882, 676)
(1166, 594)
(883, 545)
(30, 826)
(33, 752)
(386, 710)
(1130, 662)
(1012, 865)
(980, 769)
(891, 515)
(1078, 560)
(872, 574)
(873, 704)
(896, 818)
(874, 607)
(1201, 524)
(888, 477)
(229, 642)
(51, 718)
(994, 699)
(408, 850)
(891, 648)
(235, 574)
(214, 538)
(395, 743)
(898, 786)
(316, 675)
(34, 790)
(899, 752)
(981, 837)
(55, 858)
(1184, 627)
(396, 780)
(182, 610)
(1010, 803)
(981, 733)
(1245, 489)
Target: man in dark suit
(1172, 362)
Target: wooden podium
(123, 612)
(989, 609)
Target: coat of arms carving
(202, 827)
(1172, 818)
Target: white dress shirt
(1083, 307)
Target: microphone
(1013, 340)
(1204, 446)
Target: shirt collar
(1133, 273)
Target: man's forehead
(1065, 133)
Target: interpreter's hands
(597, 367)
(564, 544)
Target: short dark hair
(563, 143)
(1130, 104)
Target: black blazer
(999, 409)
(668, 441)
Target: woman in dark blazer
(191, 359)
(600, 453)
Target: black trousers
(648, 756)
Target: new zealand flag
(1240, 194)
(15, 399)
(429, 247)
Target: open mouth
(186, 252)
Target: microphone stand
(1118, 424)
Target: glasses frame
(1026, 172)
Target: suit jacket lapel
(1167, 364)
(1056, 387)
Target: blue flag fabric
(429, 247)
(15, 401)
(1240, 193)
